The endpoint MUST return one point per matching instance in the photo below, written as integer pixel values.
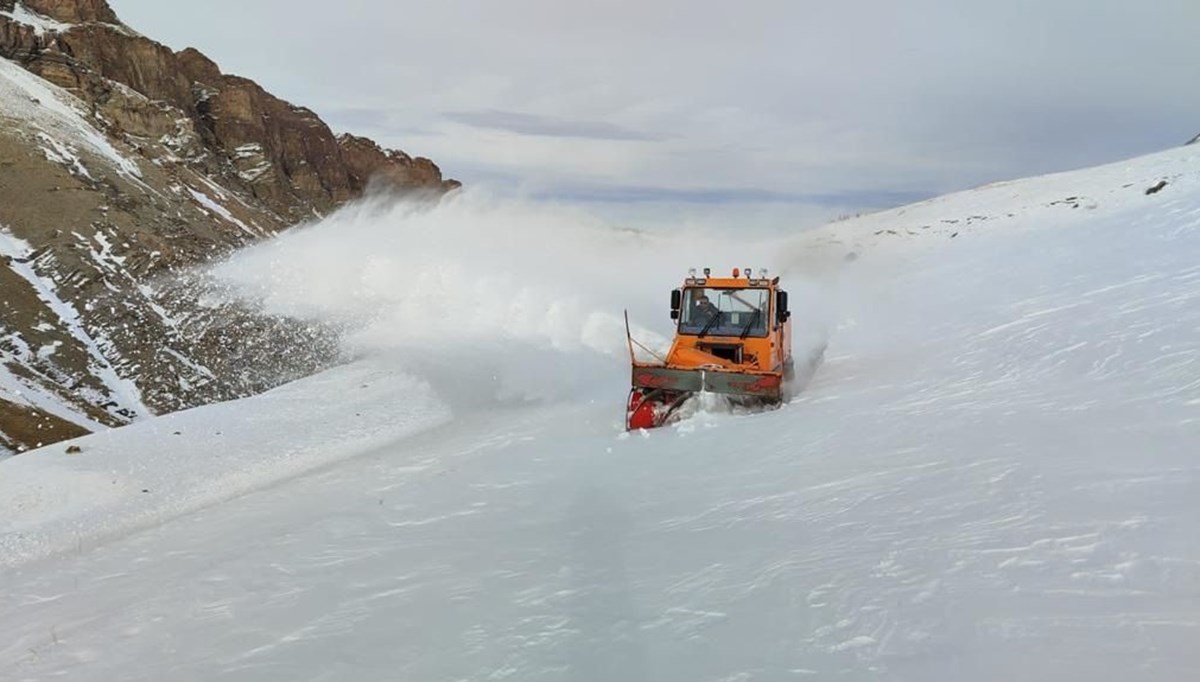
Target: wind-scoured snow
(60, 154)
(50, 111)
(123, 391)
(207, 202)
(15, 390)
(992, 476)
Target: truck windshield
(724, 312)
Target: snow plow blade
(658, 392)
(764, 385)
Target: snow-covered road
(993, 476)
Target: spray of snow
(489, 298)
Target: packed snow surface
(992, 476)
(189, 460)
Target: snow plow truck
(732, 338)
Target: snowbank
(54, 499)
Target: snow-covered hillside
(59, 121)
(993, 476)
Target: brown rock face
(198, 68)
(139, 63)
(290, 140)
(73, 11)
(366, 161)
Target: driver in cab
(703, 310)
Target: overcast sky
(833, 105)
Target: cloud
(634, 194)
(530, 124)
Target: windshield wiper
(716, 317)
(753, 320)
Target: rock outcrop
(72, 11)
(124, 164)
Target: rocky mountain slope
(123, 165)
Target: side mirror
(782, 314)
(676, 302)
(674, 314)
